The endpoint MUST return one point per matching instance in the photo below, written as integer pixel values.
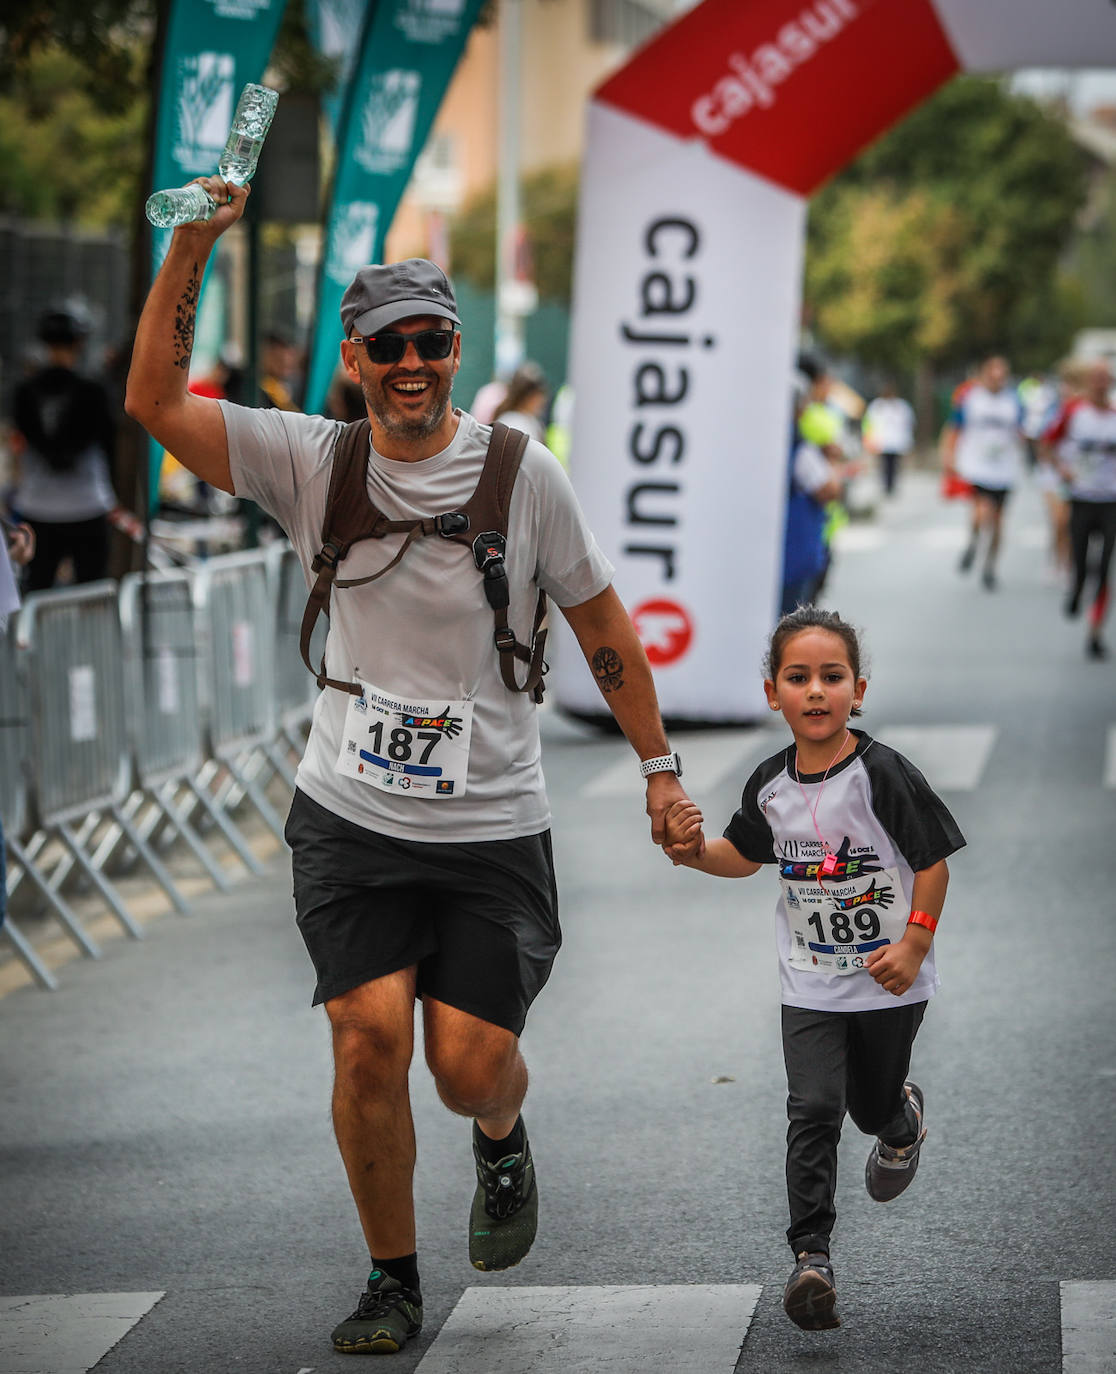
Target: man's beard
(399, 426)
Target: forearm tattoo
(184, 317)
(608, 669)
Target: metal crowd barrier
(236, 630)
(295, 690)
(164, 715)
(133, 716)
(15, 746)
(77, 754)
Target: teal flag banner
(213, 48)
(408, 52)
(335, 27)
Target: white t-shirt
(423, 632)
(989, 445)
(1086, 438)
(889, 424)
(881, 819)
(811, 468)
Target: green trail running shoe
(505, 1211)
(387, 1316)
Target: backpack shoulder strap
(349, 515)
(488, 510)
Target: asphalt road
(164, 1117)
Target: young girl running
(861, 843)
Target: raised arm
(613, 651)
(190, 427)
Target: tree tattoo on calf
(184, 317)
(608, 669)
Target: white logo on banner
(205, 109)
(339, 28)
(352, 240)
(387, 123)
(429, 21)
(752, 83)
(240, 9)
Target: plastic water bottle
(185, 204)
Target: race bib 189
(834, 926)
(418, 748)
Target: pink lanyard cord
(817, 800)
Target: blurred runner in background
(983, 444)
(1082, 444)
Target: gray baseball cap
(383, 293)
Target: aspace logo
(665, 630)
(751, 82)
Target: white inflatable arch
(701, 155)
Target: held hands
(663, 790)
(683, 838)
(895, 967)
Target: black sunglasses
(430, 344)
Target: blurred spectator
(63, 439)
(345, 399)
(814, 480)
(559, 431)
(888, 428)
(487, 399)
(17, 545)
(524, 403)
(279, 371)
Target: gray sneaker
(810, 1295)
(387, 1316)
(891, 1168)
(505, 1211)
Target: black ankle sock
(496, 1150)
(404, 1270)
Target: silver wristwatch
(665, 763)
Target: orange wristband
(923, 918)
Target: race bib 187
(418, 748)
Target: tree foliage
(943, 240)
(549, 199)
(67, 156)
(101, 36)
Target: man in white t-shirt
(983, 444)
(419, 827)
(888, 429)
(1081, 442)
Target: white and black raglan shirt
(881, 820)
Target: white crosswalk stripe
(66, 1333)
(953, 757)
(708, 756)
(1088, 1327)
(608, 1330)
(1110, 758)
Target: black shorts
(479, 920)
(997, 495)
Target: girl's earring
(774, 705)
